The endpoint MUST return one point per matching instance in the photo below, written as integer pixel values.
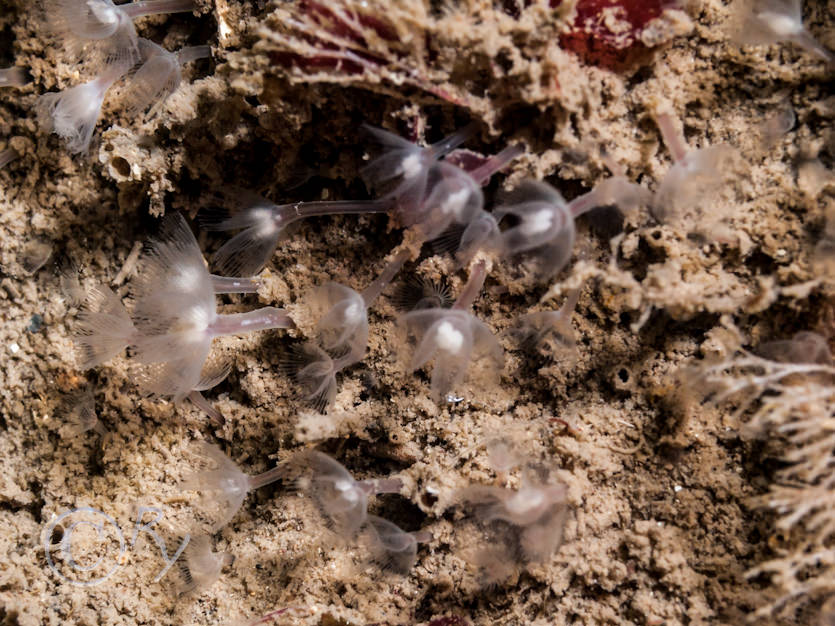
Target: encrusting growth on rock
(102, 30)
(401, 171)
(341, 500)
(175, 314)
(420, 190)
(200, 566)
(389, 547)
(72, 114)
(545, 230)
(174, 318)
(416, 292)
(101, 35)
(550, 333)
(341, 335)
(224, 488)
(684, 196)
(439, 195)
(159, 76)
(263, 225)
(452, 338)
(765, 22)
(342, 503)
(785, 397)
(103, 329)
(522, 526)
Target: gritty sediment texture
(661, 528)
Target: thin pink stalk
(192, 53)
(265, 478)
(570, 303)
(448, 144)
(472, 288)
(300, 210)
(672, 139)
(230, 284)
(583, 203)
(496, 163)
(156, 7)
(264, 318)
(370, 293)
(273, 614)
(385, 485)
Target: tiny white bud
(781, 25)
(455, 202)
(448, 338)
(537, 223)
(410, 166)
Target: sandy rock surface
(661, 528)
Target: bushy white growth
(72, 114)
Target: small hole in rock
(57, 535)
(121, 166)
(623, 375)
(428, 499)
